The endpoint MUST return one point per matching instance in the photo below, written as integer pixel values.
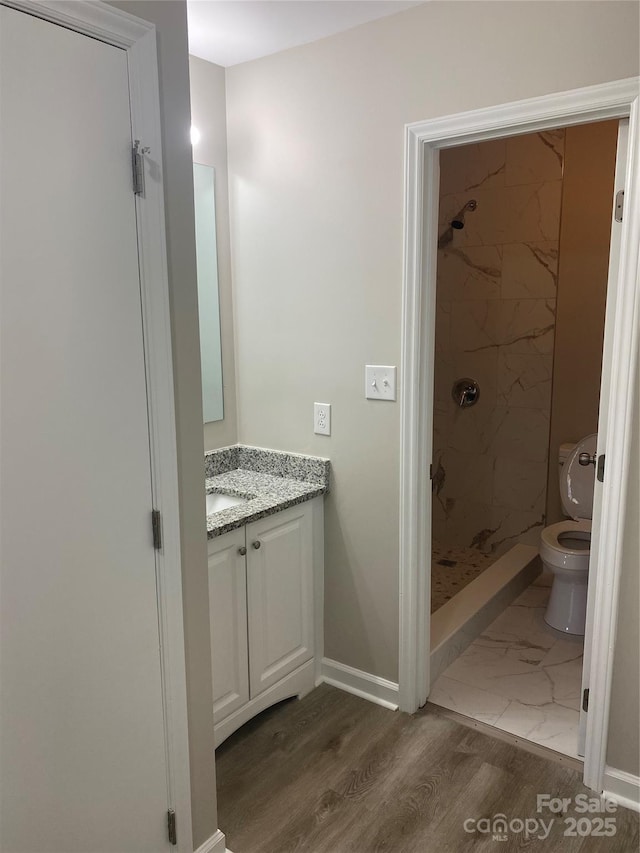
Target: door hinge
(585, 699)
(431, 471)
(171, 827)
(600, 468)
(156, 527)
(137, 165)
(619, 209)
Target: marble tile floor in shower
(520, 676)
(452, 568)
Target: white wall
(208, 114)
(170, 18)
(316, 191)
(585, 232)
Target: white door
(280, 595)
(228, 612)
(605, 393)
(83, 744)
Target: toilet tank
(564, 450)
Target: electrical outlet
(322, 418)
(380, 382)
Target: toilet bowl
(565, 546)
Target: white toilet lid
(576, 480)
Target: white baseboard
(622, 787)
(215, 844)
(363, 684)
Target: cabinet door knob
(256, 544)
(242, 550)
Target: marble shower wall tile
(521, 325)
(475, 325)
(464, 519)
(471, 167)
(438, 520)
(443, 326)
(526, 325)
(510, 526)
(443, 379)
(520, 434)
(533, 212)
(495, 322)
(529, 213)
(471, 430)
(519, 484)
(469, 274)
(442, 419)
(529, 270)
(525, 159)
(534, 157)
(524, 379)
(467, 476)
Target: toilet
(565, 546)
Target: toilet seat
(550, 535)
(557, 555)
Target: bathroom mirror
(208, 300)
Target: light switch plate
(322, 418)
(380, 382)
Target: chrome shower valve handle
(465, 392)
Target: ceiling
(231, 31)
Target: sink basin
(216, 502)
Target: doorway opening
(486, 512)
(520, 308)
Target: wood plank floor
(334, 773)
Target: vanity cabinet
(228, 620)
(265, 597)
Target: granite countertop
(295, 479)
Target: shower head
(458, 221)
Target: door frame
(423, 141)
(138, 39)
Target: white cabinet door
(228, 616)
(280, 595)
